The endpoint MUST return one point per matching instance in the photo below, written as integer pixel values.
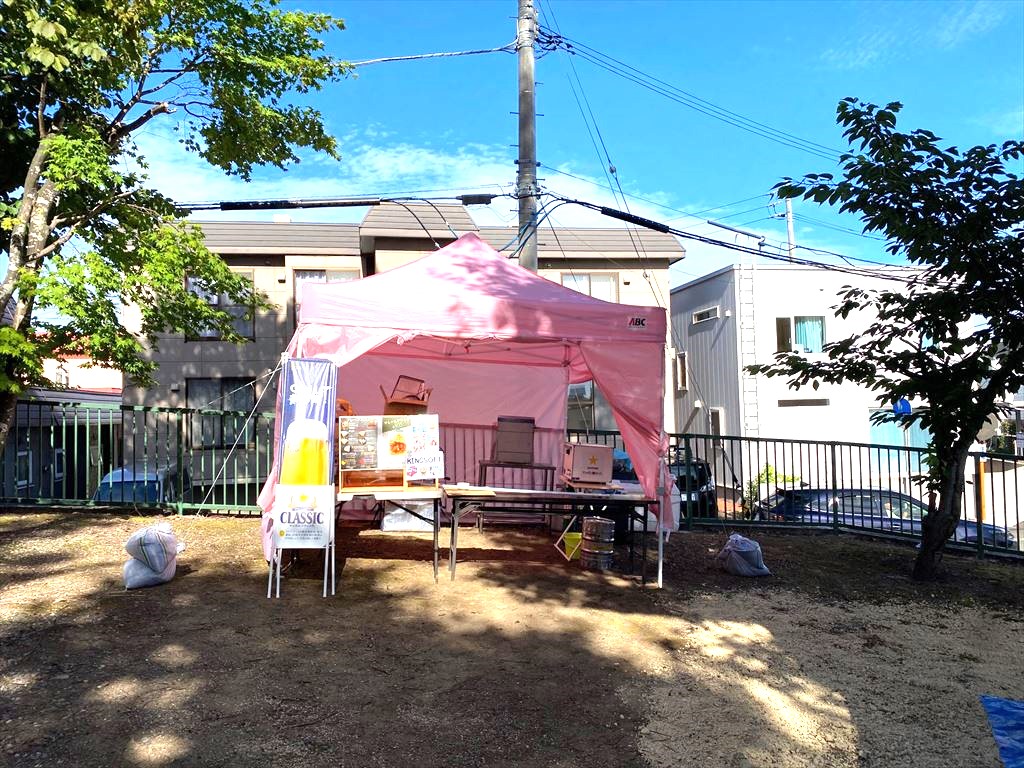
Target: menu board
(389, 443)
(357, 442)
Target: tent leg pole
(661, 555)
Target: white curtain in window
(603, 287)
(810, 333)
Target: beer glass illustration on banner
(306, 405)
(304, 460)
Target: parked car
(694, 477)
(143, 485)
(871, 508)
(701, 484)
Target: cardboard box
(587, 463)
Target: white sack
(742, 556)
(155, 546)
(154, 556)
(138, 574)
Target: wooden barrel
(598, 543)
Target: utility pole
(526, 176)
(789, 227)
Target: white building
(744, 314)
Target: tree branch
(20, 231)
(119, 131)
(73, 223)
(114, 128)
(177, 75)
(41, 109)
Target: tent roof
(469, 291)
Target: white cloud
(369, 167)
(1006, 125)
(871, 48)
(897, 28)
(968, 21)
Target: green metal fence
(742, 482)
(97, 454)
(103, 454)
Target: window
(581, 406)
(303, 276)
(800, 334)
(703, 315)
(217, 430)
(244, 319)
(599, 285)
(680, 373)
(859, 503)
(716, 417)
(58, 464)
(23, 469)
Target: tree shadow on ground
(514, 663)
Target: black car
(693, 479)
(696, 486)
(869, 508)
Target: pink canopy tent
(491, 338)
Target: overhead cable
(882, 274)
(685, 214)
(680, 96)
(509, 48)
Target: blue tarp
(1007, 720)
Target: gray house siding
(711, 360)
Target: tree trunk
(8, 403)
(29, 237)
(940, 523)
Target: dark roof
(579, 242)
(266, 237)
(410, 219)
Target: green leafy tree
(82, 233)
(763, 485)
(951, 335)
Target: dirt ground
(838, 659)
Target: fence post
(687, 463)
(181, 462)
(979, 504)
(835, 487)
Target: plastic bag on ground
(742, 556)
(154, 556)
(155, 546)
(137, 574)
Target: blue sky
(448, 124)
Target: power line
(610, 172)
(509, 48)
(685, 214)
(680, 96)
(836, 227)
(851, 269)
